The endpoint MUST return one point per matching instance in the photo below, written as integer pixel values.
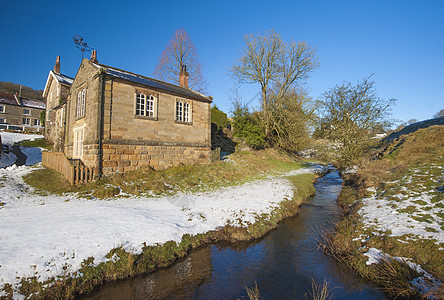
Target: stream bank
(283, 263)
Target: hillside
(414, 127)
(27, 92)
(393, 232)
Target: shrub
(218, 117)
(248, 126)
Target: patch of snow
(378, 212)
(351, 170)
(424, 283)
(14, 137)
(371, 189)
(40, 235)
(374, 256)
(379, 136)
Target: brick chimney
(57, 64)
(183, 76)
(94, 56)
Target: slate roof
(8, 99)
(25, 102)
(153, 83)
(59, 78)
(63, 78)
(33, 103)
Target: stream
(283, 263)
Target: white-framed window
(183, 111)
(186, 112)
(26, 111)
(145, 105)
(179, 111)
(2, 121)
(81, 103)
(36, 122)
(26, 121)
(2, 108)
(78, 142)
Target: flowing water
(283, 263)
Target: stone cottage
(118, 121)
(19, 113)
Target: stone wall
(122, 123)
(124, 157)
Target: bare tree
(290, 117)
(181, 51)
(273, 64)
(351, 113)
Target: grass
(48, 180)
(243, 167)
(42, 143)
(409, 168)
(394, 276)
(320, 291)
(253, 292)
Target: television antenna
(83, 46)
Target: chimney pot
(183, 76)
(94, 56)
(57, 64)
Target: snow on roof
(60, 78)
(8, 99)
(33, 103)
(12, 100)
(153, 83)
(63, 78)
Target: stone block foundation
(124, 157)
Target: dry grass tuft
(253, 292)
(320, 291)
(394, 277)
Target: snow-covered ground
(413, 211)
(40, 235)
(34, 155)
(13, 137)
(409, 209)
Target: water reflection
(179, 279)
(283, 263)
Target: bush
(249, 127)
(218, 117)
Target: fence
(27, 128)
(75, 174)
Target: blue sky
(400, 42)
